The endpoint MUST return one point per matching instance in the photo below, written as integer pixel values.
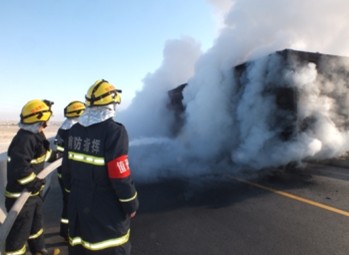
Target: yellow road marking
(301, 199)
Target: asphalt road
(295, 212)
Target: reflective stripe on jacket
(99, 204)
(26, 158)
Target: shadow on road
(214, 191)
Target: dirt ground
(9, 129)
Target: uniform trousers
(28, 226)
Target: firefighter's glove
(36, 185)
(54, 156)
(46, 144)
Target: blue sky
(57, 49)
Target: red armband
(119, 168)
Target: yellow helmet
(36, 110)
(74, 109)
(102, 93)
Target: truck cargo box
(282, 86)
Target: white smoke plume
(226, 124)
(147, 116)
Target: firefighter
(103, 197)
(27, 153)
(71, 112)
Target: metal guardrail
(17, 207)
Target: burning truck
(308, 108)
